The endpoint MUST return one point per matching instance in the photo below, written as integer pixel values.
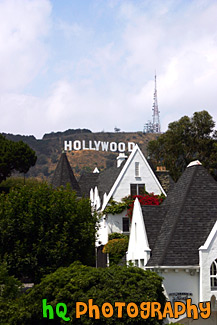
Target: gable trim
(209, 238)
(129, 160)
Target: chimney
(122, 157)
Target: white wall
(114, 222)
(102, 232)
(147, 177)
(181, 281)
(110, 224)
(208, 253)
(138, 248)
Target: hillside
(49, 148)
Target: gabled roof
(153, 216)
(103, 180)
(123, 170)
(64, 175)
(108, 180)
(191, 212)
(86, 182)
(108, 177)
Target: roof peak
(64, 174)
(190, 216)
(194, 163)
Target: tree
(186, 140)
(78, 283)
(42, 229)
(10, 286)
(9, 291)
(15, 156)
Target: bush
(54, 158)
(116, 235)
(42, 159)
(78, 283)
(17, 182)
(116, 247)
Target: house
(178, 240)
(130, 177)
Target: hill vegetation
(49, 148)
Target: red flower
(148, 199)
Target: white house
(178, 240)
(129, 177)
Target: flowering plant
(147, 199)
(128, 202)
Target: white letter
(83, 144)
(77, 145)
(97, 144)
(131, 145)
(68, 145)
(113, 146)
(121, 147)
(104, 146)
(90, 146)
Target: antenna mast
(156, 115)
(154, 127)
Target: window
(137, 172)
(125, 223)
(137, 189)
(213, 275)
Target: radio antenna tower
(154, 127)
(156, 115)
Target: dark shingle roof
(191, 212)
(88, 181)
(63, 175)
(107, 179)
(103, 180)
(153, 216)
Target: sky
(68, 64)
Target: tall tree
(42, 229)
(15, 156)
(185, 140)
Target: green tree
(9, 286)
(42, 229)
(78, 283)
(15, 156)
(9, 292)
(186, 140)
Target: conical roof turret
(64, 175)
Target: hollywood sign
(98, 145)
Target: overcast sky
(91, 63)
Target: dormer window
(213, 275)
(137, 189)
(137, 169)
